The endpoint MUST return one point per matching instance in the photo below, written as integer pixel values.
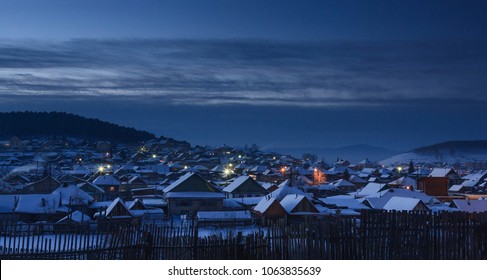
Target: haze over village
(243, 129)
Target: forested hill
(53, 124)
(454, 147)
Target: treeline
(454, 147)
(52, 124)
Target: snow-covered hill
(426, 158)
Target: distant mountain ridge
(54, 124)
(449, 152)
(454, 147)
(353, 153)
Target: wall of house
(191, 206)
(434, 186)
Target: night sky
(281, 74)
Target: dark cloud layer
(250, 73)
(276, 94)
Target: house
(39, 207)
(269, 208)
(116, 210)
(453, 177)
(373, 190)
(80, 170)
(405, 204)
(108, 183)
(96, 192)
(298, 204)
(76, 218)
(380, 202)
(285, 189)
(403, 182)
(69, 179)
(17, 179)
(43, 186)
(190, 194)
(244, 186)
(133, 183)
(357, 181)
(72, 196)
(343, 202)
(139, 209)
(344, 185)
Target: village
(68, 183)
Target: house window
(112, 189)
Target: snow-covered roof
(218, 168)
(455, 188)
(356, 179)
(285, 189)
(469, 183)
(117, 203)
(401, 203)
(79, 170)
(440, 172)
(72, 195)
(76, 216)
(404, 181)
(264, 204)
(154, 202)
(380, 202)
(190, 182)
(470, 206)
(95, 187)
(341, 202)
(215, 195)
(201, 168)
(290, 202)
(236, 183)
(373, 189)
(343, 183)
(37, 204)
(230, 203)
(106, 180)
(266, 185)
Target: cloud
(246, 72)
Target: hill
(55, 124)
(353, 153)
(454, 147)
(450, 152)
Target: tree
(346, 175)
(411, 168)
(319, 177)
(310, 157)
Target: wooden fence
(374, 235)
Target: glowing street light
(101, 168)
